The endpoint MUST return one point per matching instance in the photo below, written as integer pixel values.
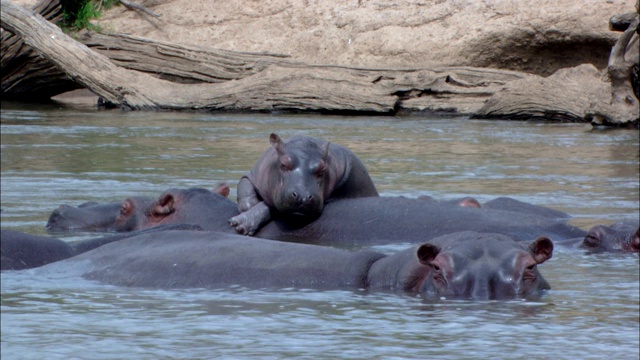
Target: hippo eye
(438, 276)
(591, 241)
(285, 163)
(320, 169)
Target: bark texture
(230, 81)
(25, 74)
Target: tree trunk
(230, 81)
(623, 106)
(25, 74)
(576, 94)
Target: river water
(55, 154)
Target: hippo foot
(249, 222)
(242, 225)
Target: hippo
(295, 179)
(510, 204)
(24, 251)
(89, 216)
(383, 220)
(208, 209)
(96, 217)
(360, 222)
(467, 265)
(20, 250)
(618, 237)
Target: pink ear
(126, 208)
(164, 206)
(635, 241)
(427, 253)
(222, 189)
(326, 152)
(276, 142)
(470, 202)
(541, 249)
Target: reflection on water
(51, 156)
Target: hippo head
(622, 237)
(90, 216)
(487, 267)
(195, 206)
(132, 216)
(299, 176)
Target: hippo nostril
(294, 195)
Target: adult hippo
(370, 221)
(119, 216)
(295, 179)
(619, 237)
(19, 250)
(465, 265)
(208, 209)
(510, 204)
(359, 222)
(89, 216)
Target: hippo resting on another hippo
(465, 265)
(296, 178)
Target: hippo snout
(303, 203)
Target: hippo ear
(470, 202)
(126, 208)
(427, 253)
(635, 241)
(325, 156)
(164, 206)
(541, 249)
(276, 142)
(222, 189)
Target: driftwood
(577, 94)
(244, 82)
(139, 73)
(25, 74)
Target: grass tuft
(77, 14)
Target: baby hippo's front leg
(250, 221)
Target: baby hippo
(293, 180)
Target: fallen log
(577, 94)
(25, 74)
(249, 82)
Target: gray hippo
(19, 250)
(208, 209)
(127, 215)
(619, 237)
(466, 265)
(89, 216)
(362, 222)
(510, 204)
(295, 179)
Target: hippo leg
(248, 222)
(247, 196)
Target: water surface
(52, 155)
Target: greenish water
(51, 155)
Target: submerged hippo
(295, 179)
(208, 209)
(20, 250)
(361, 221)
(382, 220)
(118, 216)
(90, 216)
(619, 237)
(466, 265)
